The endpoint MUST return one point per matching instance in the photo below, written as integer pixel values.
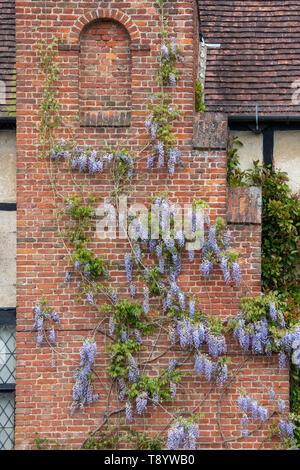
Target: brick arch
(102, 14)
(105, 74)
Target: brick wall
(43, 393)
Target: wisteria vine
(153, 266)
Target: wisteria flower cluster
(216, 250)
(170, 54)
(145, 390)
(83, 390)
(183, 434)
(252, 411)
(166, 246)
(159, 125)
(261, 328)
(44, 319)
(88, 161)
(209, 369)
(195, 334)
(286, 429)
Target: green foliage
(167, 66)
(200, 203)
(43, 443)
(128, 317)
(82, 214)
(295, 400)
(120, 353)
(255, 309)
(235, 176)
(153, 385)
(49, 115)
(199, 97)
(123, 165)
(164, 114)
(144, 441)
(280, 231)
(116, 436)
(280, 226)
(91, 264)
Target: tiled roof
(7, 57)
(259, 56)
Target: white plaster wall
(252, 148)
(287, 156)
(7, 166)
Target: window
(7, 377)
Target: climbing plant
(280, 243)
(155, 305)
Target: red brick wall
(43, 393)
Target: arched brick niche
(105, 74)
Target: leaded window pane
(7, 354)
(7, 412)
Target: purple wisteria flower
(133, 372)
(128, 267)
(273, 311)
(141, 402)
(191, 308)
(222, 375)
(236, 273)
(42, 319)
(173, 389)
(216, 345)
(55, 317)
(155, 400)
(199, 364)
(172, 79)
(183, 435)
(281, 405)
(271, 393)
(206, 268)
(191, 254)
(111, 326)
(83, 387)
(114, 298)
(164, 50)
(138, 336)
(225, 270)
(173, 160)
(51, 335)
(250, 406)
(150, 162)
(226, 240)
(173, 45)
(132, 289)
(128, 412)
(148, 122)
(146, 301)
(282, 361)
(153, 129)
(286, 429)
(90, 298)
(244, 425)
(124, 336)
